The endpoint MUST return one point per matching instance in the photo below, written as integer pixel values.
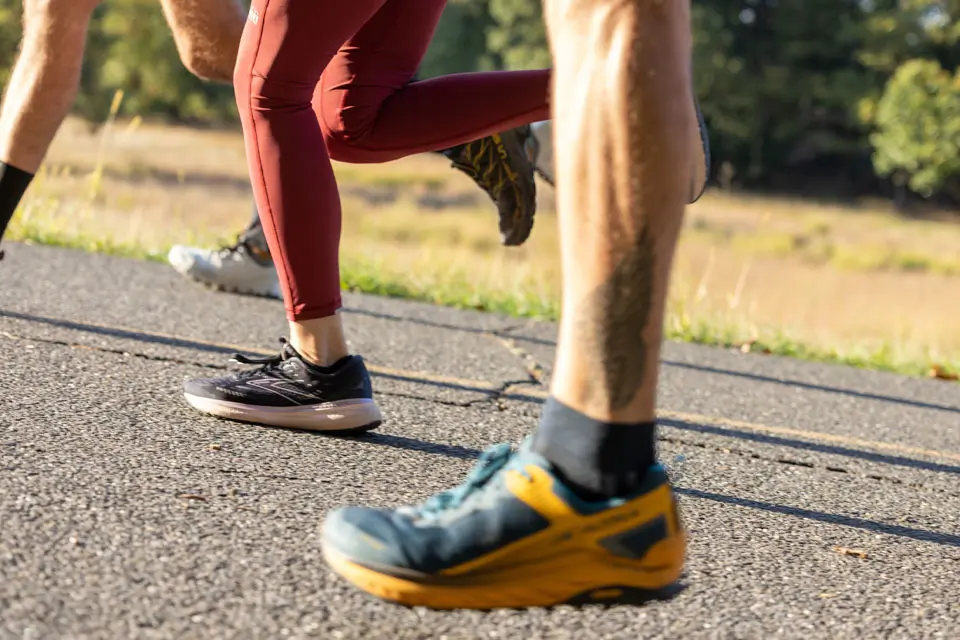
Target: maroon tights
(322, 79)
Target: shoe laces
(491, 462)
(230, 250)
(263, 363)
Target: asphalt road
(822, 501)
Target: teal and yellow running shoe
(513, 535)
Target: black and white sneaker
(287, 391)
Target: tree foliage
(849, 95)
(918, 128)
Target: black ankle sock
(598, 459)
(330, 368)
(13, 184)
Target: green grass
(457, 291)
(814, 245)
(454, 261)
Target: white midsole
(329, 416)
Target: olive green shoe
(500, 166)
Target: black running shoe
(500, 166)
(287, 391)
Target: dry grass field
(855, 285)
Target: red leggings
(322, 79)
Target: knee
(207, 63)
(208, 40)
(344, 145)
(210, 54)
(346, 131)
(56, 19)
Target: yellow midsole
(551, 581)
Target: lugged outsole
(519, 229)
(540, 593)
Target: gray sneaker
(237, 269)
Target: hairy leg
(513, 535)
(45, 79)
(207, 33)
(40, 92)
(621, 73)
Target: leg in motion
(372, 112)
(207, 34)
(582, 511)
(41, 91)
(364, 109)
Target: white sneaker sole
(343, 415)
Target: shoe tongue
(288, 352)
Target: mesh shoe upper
(455, 527)
(287, 380)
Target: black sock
(13, 184)
(598, 459)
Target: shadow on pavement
(947, 539)
(818, 447)
(520, 396)
(508, 333)
(816, 387)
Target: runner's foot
(513, 535)
(241, 268)
(287, 391)
(500, 166)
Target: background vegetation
(846, 97)
(829, 120)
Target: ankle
(319, 341)
(596, 459)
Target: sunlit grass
(859, 287)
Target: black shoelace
(263, 363)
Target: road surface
(821, 501)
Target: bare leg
(45, 78)
(207, 33)
(621, 73)
(530, 528)
(41, 90)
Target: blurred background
(830, 231)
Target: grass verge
(459, 291)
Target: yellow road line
(517, 392)
(810, 435)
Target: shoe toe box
(384, 538)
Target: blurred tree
(460, 42)
(518, 34)
(9, 38)
(131, 49)
(917, 141)
(779, 84)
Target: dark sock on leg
(597, 459)
(13, 184)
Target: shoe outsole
(345, 418)
(542, 593)
(514, 232)
(705, 146)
